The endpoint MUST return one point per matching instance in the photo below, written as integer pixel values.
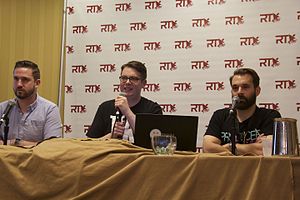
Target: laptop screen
(183, 127)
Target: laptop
(183, 127)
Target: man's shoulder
(148, 101)
(45, 102)
(267, 111)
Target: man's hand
(118, 130)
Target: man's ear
(144, 82)
(37, 83)
(257, 90)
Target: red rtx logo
(199, 107)
(183, 44)
(67, 128)
(150, 5)
(200, 64)
(269, 17)
(215, 2)
(68, 89)
(215, 42)
(182, 86)
(249, 41)
(269, 62)
(274, 106)
(108, 28)
(151, 87)
(152, 46)
(80, 29)
(201, 22)
(116, 88)
(168, 108)
(70, 10)
(298, 107)
(94, 8)
(107, 68)
(78, 108)
(167, 66)
(79, 69)
(298, 60)
(233, 63)
(215, 85)
(92, 88)
(93, 48)
(183, 3)
(168, 24)
(285, 39)
(86, 128)
(234, 20)
(285, 84)
(122, 47)
(138, 26)
(69, 49)
(123, 7)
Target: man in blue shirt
(33, 118)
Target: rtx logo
(167, 66)
(249, 41)
(80, 29)
(67, 128)
(150, 5)
(107, 68)
(234, 20)
(78, 108)
(286, 39)
(138, 26)
(168, 24)
(168, 108)
(92, 88)
(79, 69)
(200, 64)
(70, 10)
(233, 63)
(86, 128)
(269, 17)
(183, 3)
(274, 106)
(201, 22)
(182, 86)
(215, 42)
(69, 49)
(183, 44)
(123, 7)
(199, 107)
(214, 85)
(94, 8)
(298, 60)
(122, 47)
(151, 87)
(152, 46)
(108, 27)
(285, 84)
(269, 62)
(298, 15)
(68, 89)
(215, 2)
(93, 48)
(116, 88)
(298, 107)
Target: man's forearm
(255, 148)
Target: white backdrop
(190, 49)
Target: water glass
(164, 144)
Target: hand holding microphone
(119, 126)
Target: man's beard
(245, 103)
(22, 94)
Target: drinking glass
(164, 144)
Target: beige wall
(31, 29)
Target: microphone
(6, 112)
(235, 101)
(118, 112)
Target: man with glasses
(30, 117)
(106, 123)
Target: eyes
(235, 88)
(132, 79)
(23, 80)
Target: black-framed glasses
(132, 79)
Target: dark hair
(30, 65)
(244, 71)
(138, 66)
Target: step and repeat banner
(190, 48)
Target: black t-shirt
(261, 121)
(102, 121)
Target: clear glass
(164, 144)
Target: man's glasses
(132, 79)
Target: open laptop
(183, 127)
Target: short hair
(30, 65)
(244, 71)
(138, 66)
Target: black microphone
(118, 112)
(6, 112)
(235, 101)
